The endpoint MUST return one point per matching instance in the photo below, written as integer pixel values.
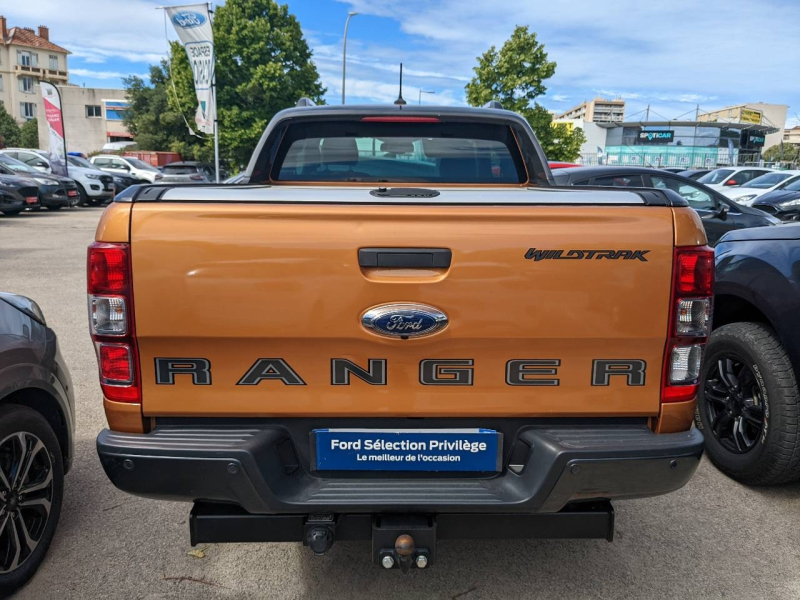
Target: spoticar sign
(477, 450)
(662, 136)
(188, 19)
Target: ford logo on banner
(406, 320)
(188, 19)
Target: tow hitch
(403, 541)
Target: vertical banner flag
(193, 26)
(55, 124)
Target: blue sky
(670, 55)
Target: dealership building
(689, 144)
(734, 135)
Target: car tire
(747, 379)
(18, 423)
(11, 213)
(83, 197)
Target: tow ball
(412, 548)
(405, 555)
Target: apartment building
(26, 58)
(792, 136)
(598, 110)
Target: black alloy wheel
(26, 497)
(748, 405)
(735, 404)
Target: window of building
(1, 84)
(26, 85)
(93, 111)
(27, 110)
(27, 58)
(53, 62)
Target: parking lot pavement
(712, 539)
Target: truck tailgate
(235, 282)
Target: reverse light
(685, 364)
(107, 315)
(691, 307)
(111, 323)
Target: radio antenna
(400, 102)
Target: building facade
(753, 113)
(598, 110)
(92, 118)
(26, 58)
(792, 136)
(595, 138)
(686, 144)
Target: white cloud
(674, 53)
(91, 74)
(559, 98)
(96, 30)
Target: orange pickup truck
(398, 329)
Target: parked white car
(725, 177)
(126, 165)
(748, 193)
(94, 186)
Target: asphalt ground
(713, 539)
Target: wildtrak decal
(432, 371)
(537, 254)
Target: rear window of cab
(398, 152)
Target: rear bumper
(258, 468)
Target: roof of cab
(364, 110)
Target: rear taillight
(691, 303)
(111, 323)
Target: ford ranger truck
(399, 330)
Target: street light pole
(421, 91)
(344, 49)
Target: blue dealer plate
(407, 450)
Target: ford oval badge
(404, 320)
(188, 19)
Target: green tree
(263, 66)
(515, 76)
(790, 154)
(29, 134)
(154, 115)
(10, 135)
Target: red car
(561, 165)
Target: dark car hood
(777, 197)
(781, 232)
(17, 182)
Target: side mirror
(722, 211)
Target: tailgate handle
(405, 258)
